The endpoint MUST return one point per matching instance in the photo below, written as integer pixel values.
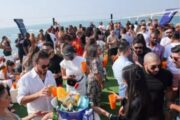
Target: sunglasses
(153, 67)
(44, 66)
(174, 58)
(138, 48)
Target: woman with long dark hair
(136, 105)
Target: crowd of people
(144, 57)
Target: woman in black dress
(136, 105)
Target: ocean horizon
(12, 32)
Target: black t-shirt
(156, 86)
(19, 45)
(26, 43)
(54, 64)
(48, 38)
(140, 57)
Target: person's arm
(114, 41)
(101, 111)
(48, 116)
(63, 72)
(110, 116)
(1, 46)
(29, 98)
(64, 76)
(31, 116)
(175, 107)
(135, 60)
(109, 40)
(25, 50)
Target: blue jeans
(122, 90)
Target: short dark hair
(66, 37)
(139, 39)
(175, 49)
(42, 54)
(68, 49)
(89, 31)
(48, 44)
(176, 35)
(4, 37)
(123, 45)
(10, 63)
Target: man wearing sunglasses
(33, 89)
(54, 62)
(159, 83)
(175, 56)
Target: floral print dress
(94, 88)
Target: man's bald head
(150, 57)
(152, 63)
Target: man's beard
(178, 66)
(152, 73)
(153, 43)
(44, 72)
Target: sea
(12, 32)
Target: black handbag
(71, 82)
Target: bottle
(55, 115)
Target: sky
(42, 11)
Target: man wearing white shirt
(101, 26)
(175, 41)
(119, 64)
(33, 86)
(145, 33)
(167, 40)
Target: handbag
(71, 82)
